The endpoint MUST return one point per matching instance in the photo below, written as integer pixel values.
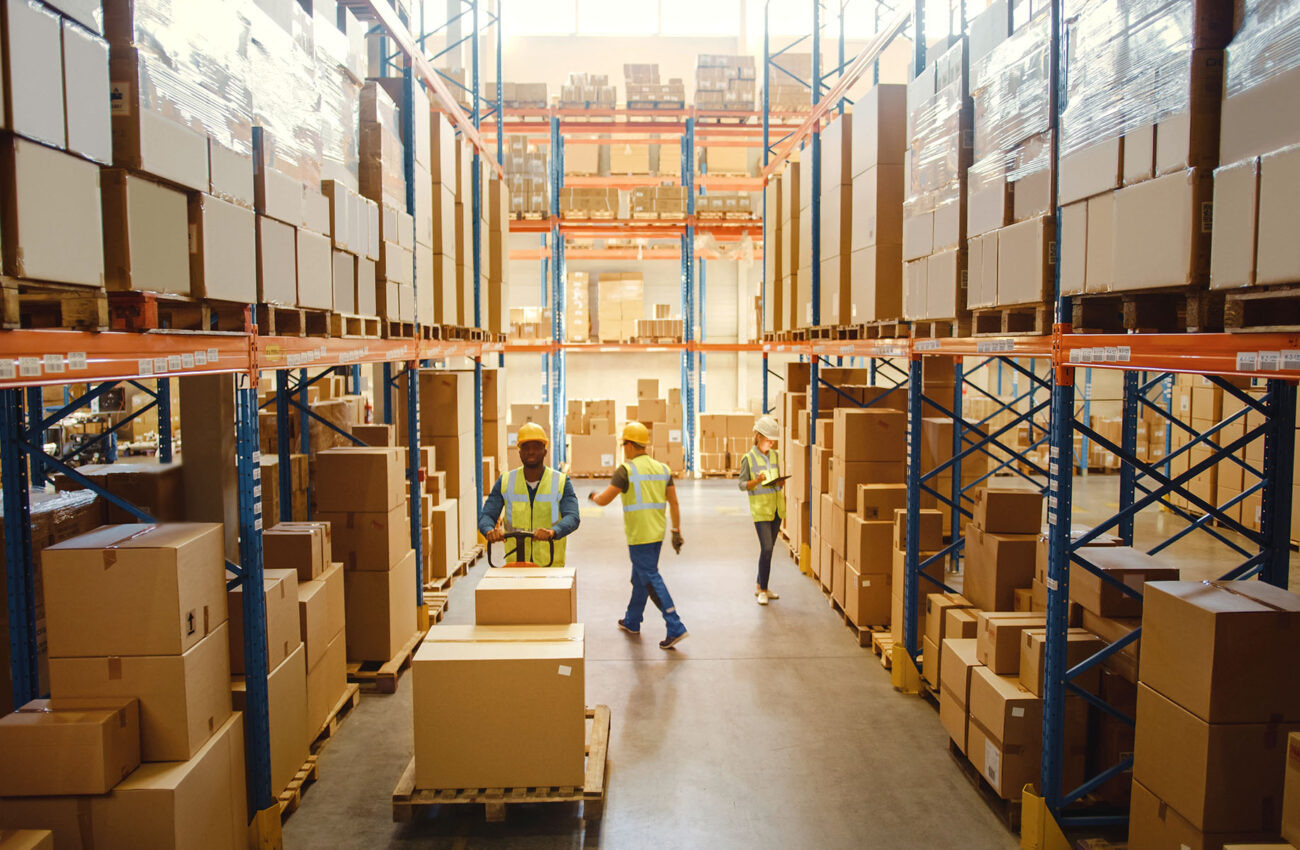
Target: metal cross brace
(322, 420)
(85, 447)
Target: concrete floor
(769, 727)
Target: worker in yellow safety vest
(647, 491)
(541, 500)
(760, 477)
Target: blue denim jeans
(647, 583)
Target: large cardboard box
(937, 606)
(353, 478)
(957, 659)
(846, 476)
(1291, 791)
(1008, 510)
(1005, 733)
(134, 589)
(380, 610)
(321, 612)
(1222, 777)
(595, 454)
(929, 531)
(1162, 237)
(960, 623)
(305, 547)
(286, 689)
(146, 234)
(33, 73)
(999, 639)
(82, 747)
(52, 220)
(455, 456)
(1080, 645)
(1222, 650)
(1155, 823)
(282, 629)
(444, 539)
(199, 804)
(997, 564)
(277, 262)
(326, 683)
(505, 600)
(499, 707)
(866, 596)
(868, 545)
(26, 839)
(183, 698)
(369, 540)
(870, 435)
(223, 250)
(879, 501)
(1128, 566)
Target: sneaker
(672, 641)
(772, 594)
(622, 625)
(762, 597)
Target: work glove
(677, 542)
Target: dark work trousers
(768, 530)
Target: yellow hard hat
(635, 432)
(531, 432)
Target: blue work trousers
(646, 584)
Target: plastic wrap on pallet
(1009, 88)
(1128, 66)
(286, 103)
(340, 102)
(382, 177)
(1266, 44)
(935, 147)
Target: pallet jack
(520, 538)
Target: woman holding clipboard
(761, 478)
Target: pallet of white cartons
(349, 700)
(410, 802)
(1168, 310)
(28, 304)
(280, 320)
(887, 329)
(1033, 319)
(941, 328)
(1263, 308)
(154, 311)
(291, 797)
(381, 676)
(349, 326)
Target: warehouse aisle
(769, 727)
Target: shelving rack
(32, 359)
(1148, 363)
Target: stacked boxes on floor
(593, 441)
(664, 419)
(794, 452)
(874, 250)
(361, 493)
(1139, 138)
(724, 440)
(138, 639)
(1213, 717)
(1010, 223)
(724, 82)
(934, 210)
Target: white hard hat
(768, 427)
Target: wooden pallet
(862, 634)
(397, 330)
(587, 215)
(882, 644)
(350, 326)
(469, 558)
(941, 328)
(441, 583)
(1035, 319)
(153, 311)
(646, 215)
(889, 329)
(381, 676)
(657, 340)
(655, 104)
(1158, 311)
(291, 797)
(53, 305)
(279, 320)
(1275, 309)
(1008, 811)
(410, 802)
(740, 216)
(436, 604)
(532, 216)
(710, 216)
(350, 699)
(672, 216)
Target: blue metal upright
(164, 398)
(282, 446)
(814, 381)
(558, 364)
(688, 296)
(35, 414)
(19, 571)
(304, 434)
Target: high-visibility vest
(765, 503)
(542, 512)
(645, 500)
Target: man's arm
(569, 514)
(491, 511)
(604, 497)
(747, 479)
(674, 510)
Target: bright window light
(618, 17)
(539, 17)
(700, 17)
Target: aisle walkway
(769, 727)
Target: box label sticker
(992, 764)
(1051, 583)
(160, 364)
(119, 98)
(1017, 711)
(213, 355)
(187, 361)
(866, 582)
(606, 460)
(200, 358)
(1246, 361)
(565, 670)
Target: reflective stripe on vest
(645, 500)
(765, 503)
(521, 514)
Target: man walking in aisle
(541, 501)
(647, 490)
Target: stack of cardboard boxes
(361, 493)
(593, 444)
(518, 95)
(727, 161)
(645, 90)
(588, 202)
(663, 416)
(587, 91)
(526, 171)
(787, 90)
(724, 440)
(577, 298)
(729, 205)
(140, 664)
(531, 323)
(1010, 223)
(651, 202)
(792, 278)
(934, 225)
(620, 303)
(1138, 145)
(724, 82)
(872, 255)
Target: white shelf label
(1291, 360)
(187, 361)
(1270, 361)
(1247, 361)
(200, 358)
(29, 367)
(145, 367)
(927, 344)
(160, 364)
(8, 370)
(213, 355)
(174, 363)
(1052, 583)
(54, 364)
(1125, 353)
(77, 360)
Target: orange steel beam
(619, 254)
(1249, 355)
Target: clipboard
(775, 481)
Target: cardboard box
(286, 688)
(455, 457)
(370, 540)
(1154, 823)
(33, 73)
(146, 234)
(1008, 510)
(52, 221)
(183, 698)
(444, 552)
(1291, 791)
(26, 839)
(960, 623)
(1220, 649)
(353, 478)
(134, 589)
(321, 612)
(1222, 777)
(937, 606)
(1091, 171)
(997, 564)
(1080, 645)
(1005, 732)
(83, 747)
(277, 261)
(1233, 243)
(930, 533)
(380, 610)
(1162, 231)
(870, 435)
(868, 545)
(223, 250)
(957, 659)
(1024, 261)
(504, 600)
(280, 588)
(1129, 566)
(879, 501)
(999, 639)
(199, 803)
(846, 476)
(305, 547)
(512, 718)
(326, 683)
(866, 597)
(1276, 260)
(647, 388)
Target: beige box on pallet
(80, 747)
(370, 540)
(277, 262)
(52, 215)
(86, 98)
(321, 612)
(326, 682)
(33, 73)
(314, 270)
(280, 590)
(506, 600)
(286, 688)
(223, 250)
(380, 610)
(146, 235)
(512, 718)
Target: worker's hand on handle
(496, 535)
(543, 534)
(677, 541)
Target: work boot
(622, 625)
(672, 640)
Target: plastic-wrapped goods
(281, 73)
(1262, 81)
(382, 177)
(340, 101)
